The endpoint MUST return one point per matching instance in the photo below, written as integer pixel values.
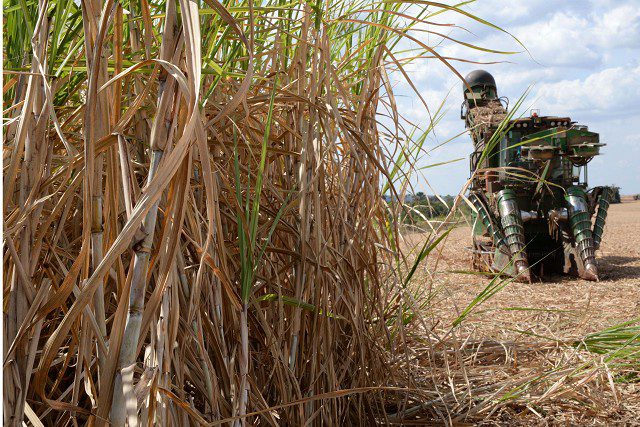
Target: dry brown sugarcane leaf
(171, 68)
(179, 205)
(28, 322)
(152, 192)
(63, 292)
(192, 412)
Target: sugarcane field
(338, 213)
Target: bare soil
(561, 308)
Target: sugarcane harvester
(533, 214)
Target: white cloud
(512, 82)
(561, 41)
(514, 12)
(612, 91)
(588, 67)
(619, 27)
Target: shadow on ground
(619, 267)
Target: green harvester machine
(533, 213)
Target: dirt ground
(520, 316)
(561, 306)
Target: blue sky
(583, 62)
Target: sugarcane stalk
(142, 252)
(160, 134)
(304, 171)
(96, 126)
(244, 365)
(32, 128)
(161, 345)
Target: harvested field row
(526, 331)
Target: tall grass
(192, 209)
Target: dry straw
(194, 225)
(193, 210)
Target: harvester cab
(479, 85)
(533, 213)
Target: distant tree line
(419, 206)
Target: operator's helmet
(482, 84)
